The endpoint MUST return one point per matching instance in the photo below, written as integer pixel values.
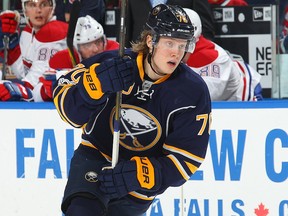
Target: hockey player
(40, 39)
(165, 116)
(90, 40)
(227, 79)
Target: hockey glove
(12, 43)
(116, 74)
(10, 91)
(9, 21)
(140, 173)
(258, 92)
(110, 76)
(48, 80)
(9, 27)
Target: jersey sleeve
(68, 99)
(70, 95)
(112, 45)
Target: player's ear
(149, 42)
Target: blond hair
(140, 45)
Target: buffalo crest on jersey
(135, 123)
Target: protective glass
(89, 45)
(175, 44)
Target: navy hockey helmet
(170, 21)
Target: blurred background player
(89, 39)
(41, 38)
(227, 79)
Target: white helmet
(87, 30)
(196, 21)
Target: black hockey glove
(110, 76)
(116, 74)
(140, 173)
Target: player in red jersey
(28, 56)
(227, 78)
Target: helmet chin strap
(150, 63)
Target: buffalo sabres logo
(156, 10)
(140, 130)
(91, 176)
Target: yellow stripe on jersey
(140, 65)
(145, 172)
(62, 92)
(89, 144)
(61, 112)
(141, 196)
(56, 102)
(92, 84)
(141, 70)
(191, 167)
(178, 165)
(184, 153)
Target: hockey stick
(4, 65)
(74, 13)
(6, 41)
(116, 133)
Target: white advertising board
(245, 171)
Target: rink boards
(245, 171)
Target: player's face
(168, 53)
(38, 12)
(90, 49)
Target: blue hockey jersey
(168, 119)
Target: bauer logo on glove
(112, 75)
(145, 174)
(140, 173)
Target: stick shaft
(4, 66)
(117, 120)
(74, 14)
